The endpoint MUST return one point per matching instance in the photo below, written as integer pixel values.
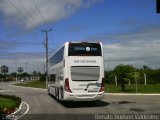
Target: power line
(43, 19)
(20, 13)
(28, 12)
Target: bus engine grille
(85, 73)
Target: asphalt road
(44, 107)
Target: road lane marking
(17, 114)
(7, 91)
(138, 94)
(29, 87)
(25, 111)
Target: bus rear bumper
(83, 96)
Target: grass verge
(150, 88)
(8, 103)
(35, 84)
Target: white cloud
(51, 10)
(138, 48)
(34, 61)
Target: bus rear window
(84, 49)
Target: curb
(17, 114)
(17, 111)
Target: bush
(42, 77)
(109, 77)
(4, 111)
(15, 98)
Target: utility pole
(33, 72)
(46, 46)
(26, 67)
(135, 80)
(108, 66)
(145, 80)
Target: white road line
(7, 91)
(16, 117)
(29, 87)
(138, 94)
(25, 111)
(18, 109)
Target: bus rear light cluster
(66, 86)
(102, 86)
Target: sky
(128, 29)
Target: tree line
(127, 74)
(6, 76)
(121, 74)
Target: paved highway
(42, 106)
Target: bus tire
(57, 94)
(48, 91)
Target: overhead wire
(24, 17)
(43, 19)
(20, 13)
(29, 13)
(38, 9)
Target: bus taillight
(102, 85)
(66, 86)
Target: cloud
(26, 13)
(10, 56)
(7, 45)
(139, 47)
(17, 59)
(146, 33)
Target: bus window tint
(84, 49)
(57, 57)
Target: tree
(25, 74)
(34, 73)
(20, 70)
(145, 67)
(13, 74)
(4, 69)
(1, 75)
(109, 77)
(122, 71)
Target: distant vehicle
(77, 72)
(22, 80)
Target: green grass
(35, 84)
(7, 103)
(150, 88)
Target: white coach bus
(77, 72)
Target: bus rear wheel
(57, 94)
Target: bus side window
(52, 78)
